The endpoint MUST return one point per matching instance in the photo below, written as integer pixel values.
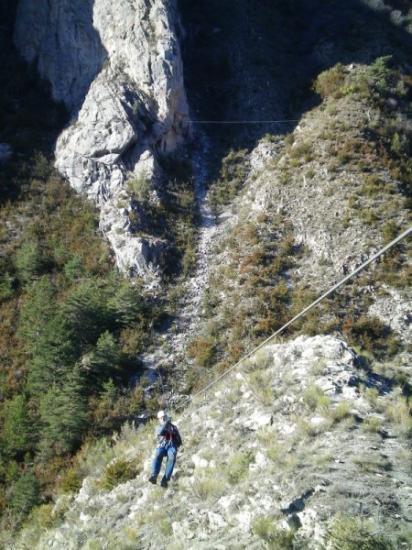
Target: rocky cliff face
(117, 67)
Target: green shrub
(266, 435)
(117, 472)
(314, 398)
(381, 75)
(94, 455)
(232, 176)
(158, 519)
(302, 150)
(238, 466)
(71, 481)
(373, 185)
(29, 260)
(341, 411)
(42, 517)
(275, 537)
(371, 395)
(274, 452)
(74, 268)
(25, 494)
(400, 413)
(356, 534)
(390, 230)
(330, 82)
(203, 351)
(205, 487)
(16, 435)
(141, 188)
(63, 416)
(42, 167)
(6, 286)
(372, 335)
(372, 424)
(261, 383)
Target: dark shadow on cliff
(257, 59)
(30, 120)
(66, 41)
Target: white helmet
(161, 414)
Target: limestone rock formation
(117, 68)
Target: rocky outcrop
(292, 439)
(117, 67)
(316, 182)
(392, 306)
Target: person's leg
(171, 460)
(157, 462)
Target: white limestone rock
(118, 69)
(394, 309)
(199, 462)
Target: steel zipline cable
(382, 251)
(284, 121)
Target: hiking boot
(152, 479)
(164, 483)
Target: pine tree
(38, 308)
(103, 361)
(25, 494)
(29, 260)
(127, 304)
(54, 354)
(63, 411)
(17, 433)
(87, 312)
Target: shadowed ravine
(170, 345)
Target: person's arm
(160, 432)
(163, 428)
(157, 434)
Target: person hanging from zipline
(169, 440)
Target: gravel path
(170, 345)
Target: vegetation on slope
(70, 326)
(299, 443)
(257, 284)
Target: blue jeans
(160, 453)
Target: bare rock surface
(395, 309)
(291, 436)
(169, 347)
(118, 69)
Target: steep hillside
(296, 168)
(309, 208)
(70, 325)
(300, 448)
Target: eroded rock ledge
(117, 67)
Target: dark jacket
(167, 435)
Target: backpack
(177, 440)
